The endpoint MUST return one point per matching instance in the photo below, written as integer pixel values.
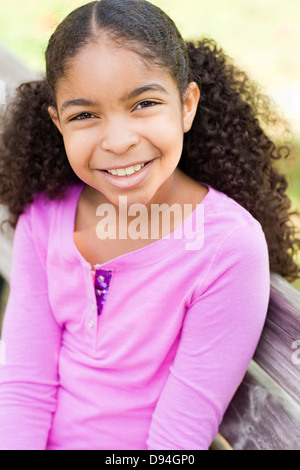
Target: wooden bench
(265, 411)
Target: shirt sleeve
(31, 340)
(218, 339)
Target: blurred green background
(262, 36)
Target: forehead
(106, 67)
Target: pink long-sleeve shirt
(158, 367)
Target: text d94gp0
(171, 459)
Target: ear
(190, 105)
(55, 118)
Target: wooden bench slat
(261, 415)
(274, 352)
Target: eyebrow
(76, 102)
(126, 97)
(139, 91)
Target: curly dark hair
(226, 148)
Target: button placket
(91, 319)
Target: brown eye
(146, 104)
(82, 116)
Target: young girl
(128, 342)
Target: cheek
(78, 148)
(173, 152)
(169, 137)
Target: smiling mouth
(130, 170)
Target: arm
(28, 379)
(219, 336)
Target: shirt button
(91, 324)
(93, 307)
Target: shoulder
(234, 239)
(44, 215)
(227, 223)
(43, 209)
(225, 213)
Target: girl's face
(123, 122)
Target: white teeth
(130, 170)
(138, 166)
(126, 171)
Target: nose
(118, 136)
